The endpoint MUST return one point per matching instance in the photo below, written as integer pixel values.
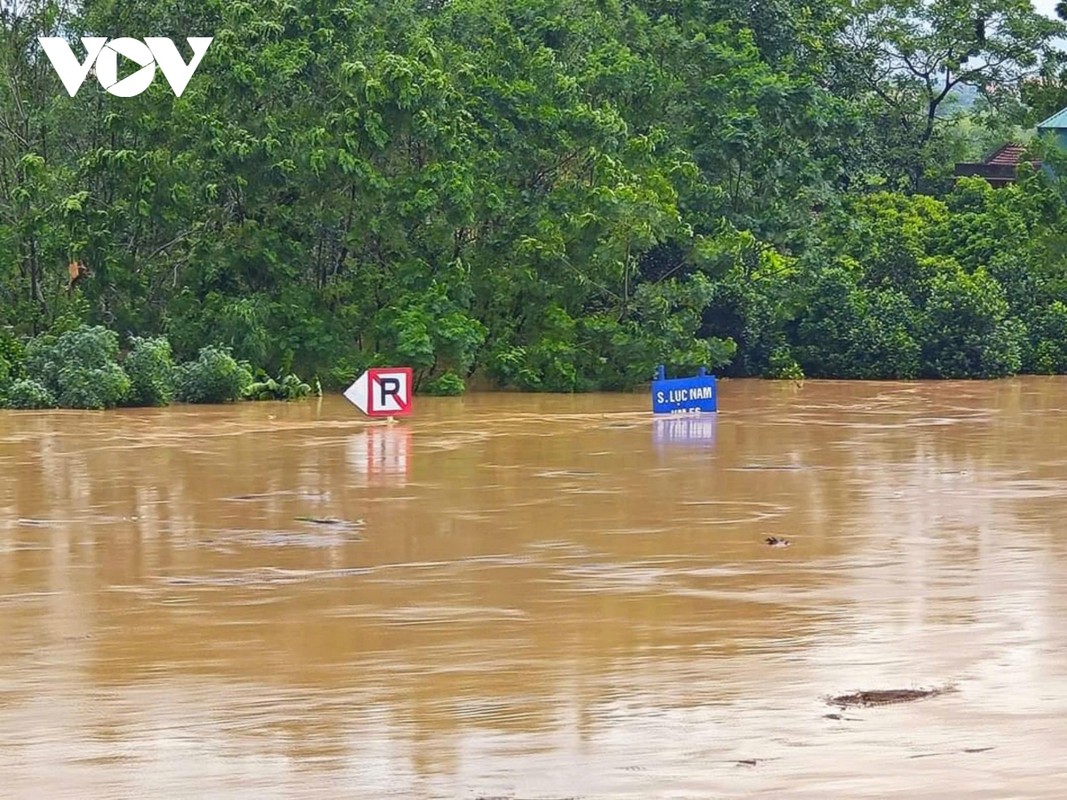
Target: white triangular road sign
(357, 393)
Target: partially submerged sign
(671, 430)
(382, 392)
(683, 395)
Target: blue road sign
(683, 395)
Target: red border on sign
(372, 382)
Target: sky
(1046, 7)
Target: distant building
(1057, 126)
(999, 168)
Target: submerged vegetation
(550, 195)
(83, 368)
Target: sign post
(683, 395)
(382, 392)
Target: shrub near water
(79, 368)
(24, 394)
(447, 385)
(215, 377)
(11, 353)
(288, 388)
(150, 368)
(5, 380)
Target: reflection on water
(531, 596)
(684, 429)
(380, 454)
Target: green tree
(916, 52)
(214, 377)
(967, 330)
(150, 368)
(79, 367)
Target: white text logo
(149, 54)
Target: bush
(1049, 337)
(150, 368)
(429, 330)
(447, 385)
(12, 353)
(826, 327)
(510, 366)
(783, 366)
(549, 364)
(967, 331)
(98, 389)
(293, 388)
(341, 375)
(288, 388)
(79, 367)
(215, 377)
(25, 393)
(5, 380)
(885, 345)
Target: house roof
(1057, 120)
(999, 169)
(1008, 154)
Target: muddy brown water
(517, 596)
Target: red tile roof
(1008, 154)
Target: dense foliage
(289, 387)
(150, 368)
(214, 377)
(551, 195)
(79, 368)
(83, 368)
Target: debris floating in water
(774, 541)
(886, 697)
(342, 523)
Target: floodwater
(517, 596)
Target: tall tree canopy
(552, 194)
